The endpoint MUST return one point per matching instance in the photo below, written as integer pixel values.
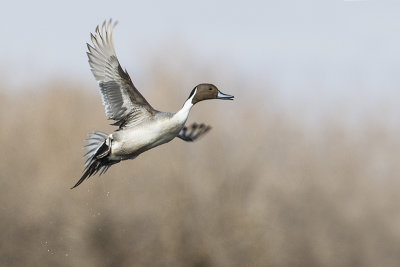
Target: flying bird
(140, 126)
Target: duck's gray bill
(224, 96)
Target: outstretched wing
(193, 132)
(123, 102)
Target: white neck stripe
(191, 98)
(183, 113)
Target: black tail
(98, 150)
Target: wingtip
(97, 30)
(93, 37)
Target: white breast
(145, 136)
(159, 130)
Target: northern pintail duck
(141, 127)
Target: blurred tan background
(301, 169)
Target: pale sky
(321, 49)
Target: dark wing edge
(193, 132)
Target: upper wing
(194, 132)
(121, 99)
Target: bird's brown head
(206, 91)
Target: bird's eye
(210, 89)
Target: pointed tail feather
(98, 150)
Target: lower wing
(193, 132)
